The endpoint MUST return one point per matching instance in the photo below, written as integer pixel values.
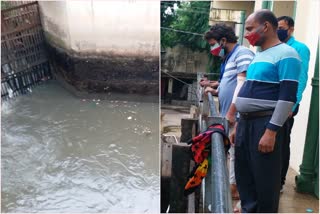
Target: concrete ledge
(104, 74)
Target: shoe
(234, 192)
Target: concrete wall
(283, 8)
(118, 27)
(55, 26)
(105, 46)
(181, 59)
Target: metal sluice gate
(24, 62)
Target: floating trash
(83, 100)
(97, 103)
(129, 118)
(309, 210)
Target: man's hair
(287, 19)
(218, 31)
(262, 16)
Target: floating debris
(129, 118)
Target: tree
(184, 23)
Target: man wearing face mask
(264, 103)
(236, 60)
(285, 31)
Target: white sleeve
(240, 81)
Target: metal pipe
(217, 191)
(213, 110)
(220, 192)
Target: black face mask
(282, 34)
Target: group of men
(259, 94)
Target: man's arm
(287, 97)
(304, 54)
(231, 114)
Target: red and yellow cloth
(200, 149)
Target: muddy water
(65, 154)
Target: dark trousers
(286, 146)
(258, 174)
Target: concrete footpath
(290, 200)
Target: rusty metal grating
(24, 62)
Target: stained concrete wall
(104, 46)
(54, 22)
(181, 59)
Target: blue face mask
(282, 34)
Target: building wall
(181, 59)
(283, 8)
(248, 6)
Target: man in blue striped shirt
(285, 31)
(264, 103)
(236, 59)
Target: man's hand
(231, 114)
(232, 135)
(205, 82)
(267, 141)
(290, 114)
(211, 90)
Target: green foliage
(193, 17)
(190, 16)
(5, 5)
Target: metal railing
(216, 195)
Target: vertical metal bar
(242, 20)
(213, 110)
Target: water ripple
(68, 155)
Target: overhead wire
(192, 91)
(181, 31)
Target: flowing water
(65, 154)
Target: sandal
(237, 208)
